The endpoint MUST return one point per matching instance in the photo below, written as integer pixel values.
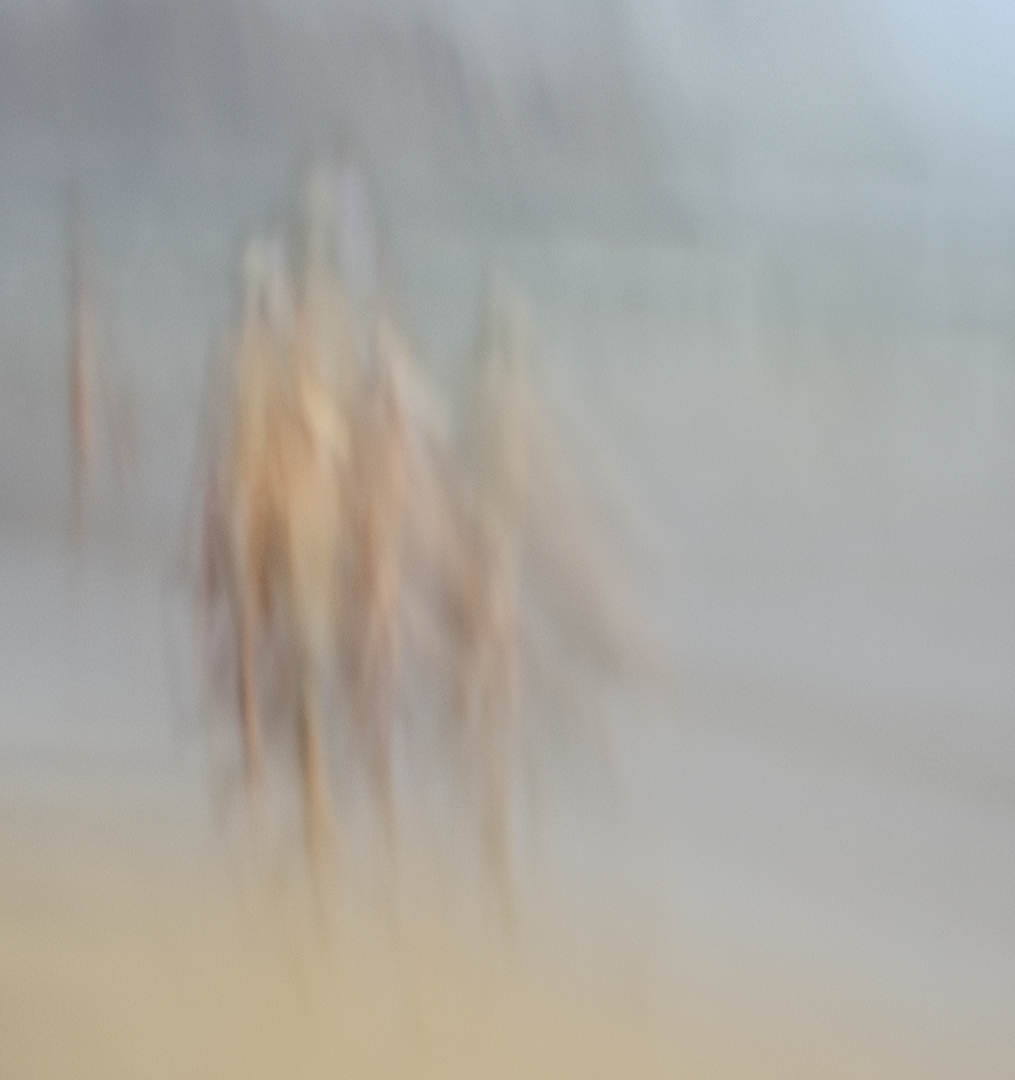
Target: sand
(137, 953)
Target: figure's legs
(318, 821)
(373, 694)
(252, 743)
(500, 692)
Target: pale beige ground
(141, 958)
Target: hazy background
(769, 245)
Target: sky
(943, 67)
(959, 56)
(836, 87)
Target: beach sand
(134, 952)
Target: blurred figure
(499, 464)
(101, 404)
(536, 559)
(307, 502)
(273, 528)
(82, 359)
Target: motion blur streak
(533, 483)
